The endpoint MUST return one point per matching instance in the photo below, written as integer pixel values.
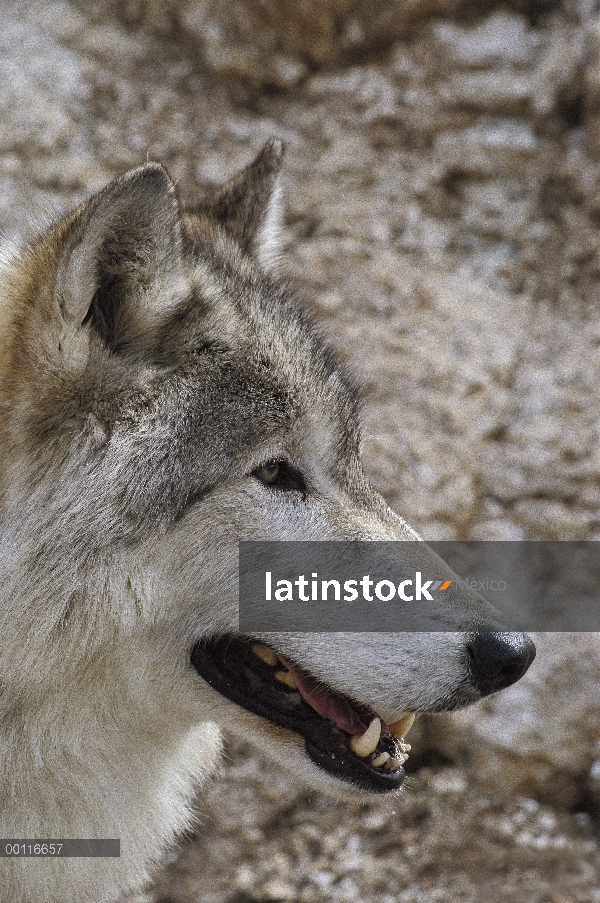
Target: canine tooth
(366, 743)
(265, 654)
(380, 760)
(285, 677)
(395, 763)
(401, 727)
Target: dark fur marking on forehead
(260, 314)
(191, 331)
(271, 307)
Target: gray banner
(19, 848)
(418, 586)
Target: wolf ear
(121, 265)
(249, 205)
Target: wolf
(164, 396)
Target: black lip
(350, 768)
(229, 666)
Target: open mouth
(345, 738)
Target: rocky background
(442, 214)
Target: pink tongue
(325, 703)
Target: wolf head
(163, 397)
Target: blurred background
(442, 210)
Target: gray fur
(152, 364)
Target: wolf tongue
(326, 703)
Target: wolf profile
(163, 396)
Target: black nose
(499, 659)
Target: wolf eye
(279, 475)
